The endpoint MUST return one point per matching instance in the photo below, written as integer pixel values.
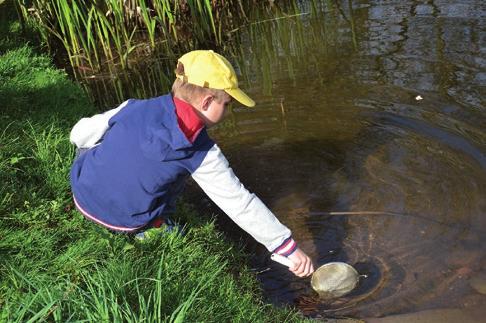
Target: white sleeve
(88, 131)
(219, 182)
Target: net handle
(282, 260)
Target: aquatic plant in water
(94, 33)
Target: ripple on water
(408, 262)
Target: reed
(148, 21)
(281, 37)
(123, 48)
(94, 33)
(166, 15)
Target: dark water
(339, 127)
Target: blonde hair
(192, 93)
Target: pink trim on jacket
(109, 226)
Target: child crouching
(137, 157)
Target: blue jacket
(141, 166)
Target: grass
(57, 266)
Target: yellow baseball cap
(211, 70)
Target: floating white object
(334, 279)
(418, 98)
(331, 280)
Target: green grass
(57, 266)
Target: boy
(136, 158)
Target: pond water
(369, 142)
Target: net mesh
(334, 279)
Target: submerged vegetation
(121, 49)
(57, 266)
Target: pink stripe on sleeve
(287, 247)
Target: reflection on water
(339, 127)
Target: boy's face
(214, 110)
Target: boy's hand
(303, 266)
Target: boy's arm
(87, 132)
(219, 182)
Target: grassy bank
(54, 264)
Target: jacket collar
(188, 120)
(177, 137)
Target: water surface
(340, 126)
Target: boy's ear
(206, 102)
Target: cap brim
(241, 97)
